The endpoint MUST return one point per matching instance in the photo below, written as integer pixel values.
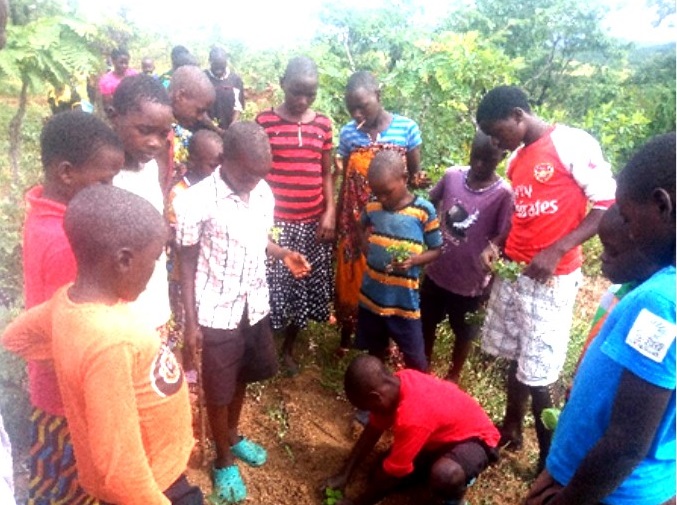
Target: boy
(229, 101)
(222, 233)
(437, 428)
(77, 150)
(477, 205)
(124, 394)
(403, 234)
(556, 175)
(615, 440)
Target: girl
(141, 115)
(371, 130)
(111, 80)
(301, 180)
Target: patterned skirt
(296, 301)
(53, 476)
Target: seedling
(275, 232)
(398, 252)
(475, 318)
(508, 270)
(332, 496)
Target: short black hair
(651, 167)
(202, 136)
(135, 89)
(101, 219)
(245, 137)
(74, 136)
(362, 376)
(119, 51)
(191, 79)
(178, 51)
(218, 52)
(388, 162)
(362, 80)
(500, 102)
(300, 66)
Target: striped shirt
(233, 237)
(402, 131)
(414, 227)
(296, 174)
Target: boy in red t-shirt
(557, 173)
(437, 429)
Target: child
(142, 116)
(557, 175)
(205, 151)
(222, 231)
(302, 183)
(437, 429)
(477, 205)
(111, 80)
(148, 66)
(229, 101)
(77, 150)
(389, 301)
(372, 129)
(124, 394)
(615, 440)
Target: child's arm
(364, 445)
(188, 256)
(296, 263)
(30, 334)
(113, 426)
(326, 231)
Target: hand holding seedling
(400, 257)
(489, 255)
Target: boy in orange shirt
(124, 394)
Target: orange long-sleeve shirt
(124, 394)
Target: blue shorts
(374, 331)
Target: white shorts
(529, 322)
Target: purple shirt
(469, 219)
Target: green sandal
(249, 452)
(228, 486)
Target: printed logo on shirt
(537, 208)
(543, 172)
(165, 373)
(651, 336)
(458, 221)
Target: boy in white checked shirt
(223, 226)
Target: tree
(50, 50)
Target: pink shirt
(109, 81)
(48, 264)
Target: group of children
(252, 224)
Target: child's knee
(447, 477)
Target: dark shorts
(181, 493)
(472, 455)
(437, 302)
(232, 357)
(374, 331)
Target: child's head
(192, 94)
(119, 57)
(645, 196)
(370, 386)
(387, 178)
(180, 55)
(141, 115)
(622, 260)
(205, 150)
(484, 156)
(246, 156)
(147, 65)
(218, 61)
(299, 84)
(78, 150)
(504, 113)
(363, 98)
(116, 237)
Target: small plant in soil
(332, 496)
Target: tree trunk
(15, 133)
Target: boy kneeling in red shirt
(437, 429)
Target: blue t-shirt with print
(638, 336)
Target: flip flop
(228, 486)
(249, 452)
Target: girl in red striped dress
(301, 180)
